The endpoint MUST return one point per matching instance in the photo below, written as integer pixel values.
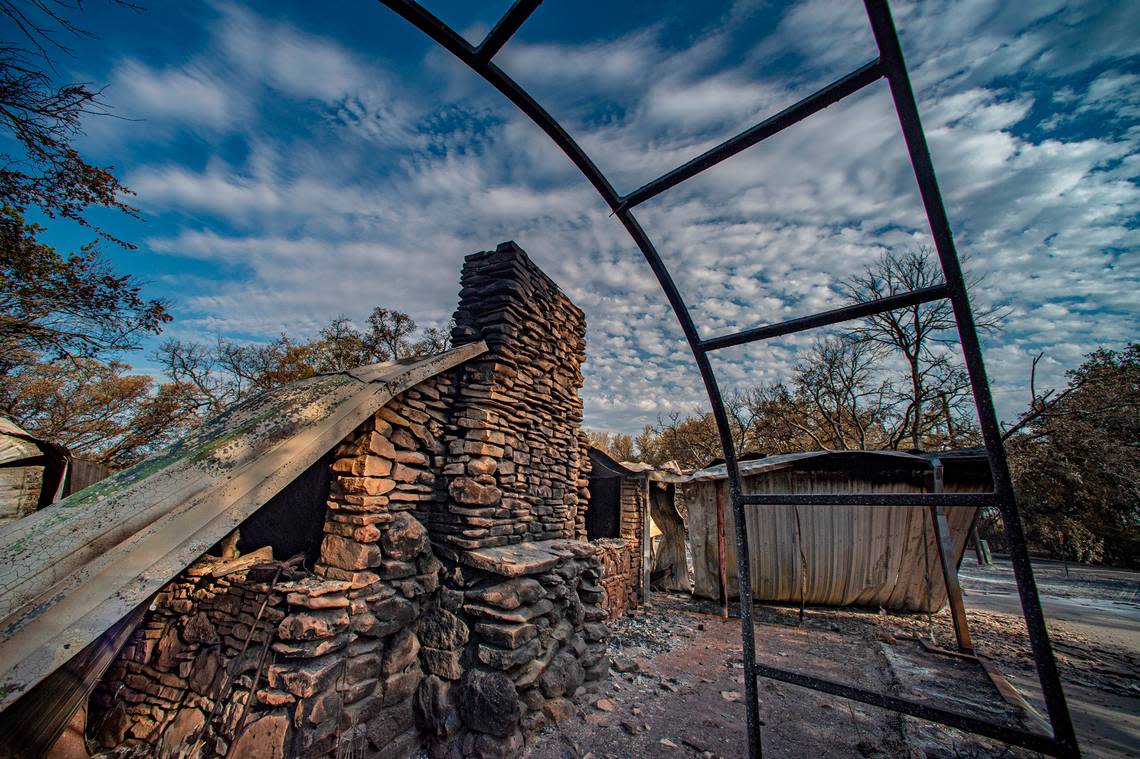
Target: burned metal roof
(71, 571)
(810, 459)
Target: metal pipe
(1012, 735)
(506, 28)
(949, 565)
(823, 319)
(722, 563)
(890, 52)
(829, 95)
(952, 500)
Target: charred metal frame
(890, 65)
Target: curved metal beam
(461, 49)
(891, 65)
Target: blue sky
(295, 162)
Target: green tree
(1076, 462)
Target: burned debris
(424, 583)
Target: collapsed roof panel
(69, 572)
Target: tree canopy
(1076, 463)
(41, 168)
(54, 307)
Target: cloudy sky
(295, 163)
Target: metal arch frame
(890, 65)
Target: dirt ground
(677, 689)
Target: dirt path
(681, 682)
(681, 690)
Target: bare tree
(389, 335)
(919, 335)
(847, 407)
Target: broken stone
(468, 491)
(442, 663)
(562, 676)
(262, 738)
(366, 485)
(434, 713)
(558, 709)
(505, 658)
(405, 538)
(623, 663)
(401, 650)
(310, 649)
(313, 624)
(510, 594)
(303, 679)
(506, 635)
(200, 630)
(441, 629)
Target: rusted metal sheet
(71, 571)
(854, 556)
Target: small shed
(618, 509)
(884, 556)
(32, 472)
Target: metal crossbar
(961, 500)
(829, 95)
(891, 65)
(825, 318)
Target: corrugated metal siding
(861, 556)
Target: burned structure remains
(409, 567)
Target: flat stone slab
(519, 559)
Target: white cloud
(188, 95)
(380, 208)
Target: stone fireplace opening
(292, 522)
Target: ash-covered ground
(678, 683)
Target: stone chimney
(516, 464)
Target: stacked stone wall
(618, 576)
(515, 452)
(525, 645)
(633, 516)
(451, 605)
(185, 676)
(333, 661)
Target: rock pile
(518, 641)
(185, 675)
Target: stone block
(348, 554)
(488, 702)
(263, 738)
(304, 678)
(510, 594)
(467, 491)
(400, 651)
(505, 635)
(405, 538)
(444, 663)
(440, 628)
